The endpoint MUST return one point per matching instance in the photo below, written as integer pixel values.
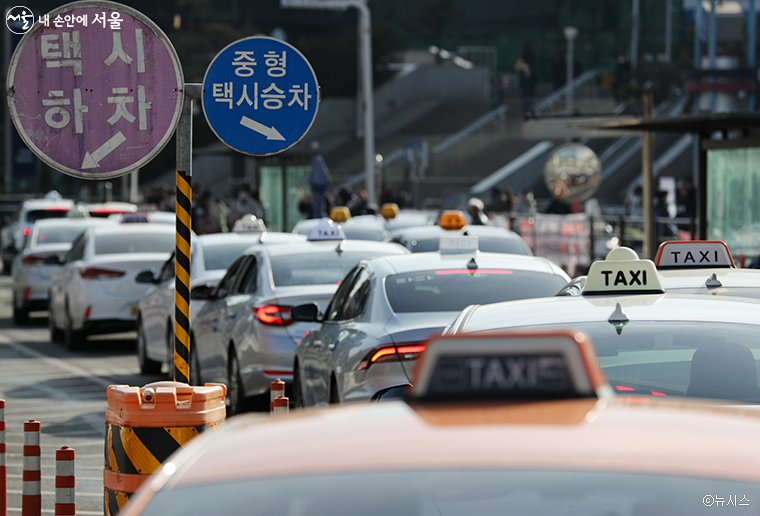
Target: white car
(30, 211)
(210, 257)
(95, 290)
(33, 268)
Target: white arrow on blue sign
(260, 95)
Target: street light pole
(365, 54)
(570, 34)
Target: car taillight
(98, 273)
(33, 260)
(389, 353)
(274, 314)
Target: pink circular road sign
(95, 89)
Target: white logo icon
(19, 19)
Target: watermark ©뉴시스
(724, 501)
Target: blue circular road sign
(260, 95)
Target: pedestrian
(247, 202)
(475, 209)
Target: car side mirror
(305, 313)
(53, 259)
(202, 292)
(145, 277)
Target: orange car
(519, 423)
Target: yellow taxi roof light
(509, 365)
(340, 214)
(622, 273)
(694, 254)
(389, 210)
(452, 220)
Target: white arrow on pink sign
(97, 92)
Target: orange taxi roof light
(452, 220)
(340, 214)
(509, 366)
(389, 210)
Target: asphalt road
(66, 392)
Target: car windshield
(117, 243)
(459, 493)
(486, 244)
(58, 234)
(220, 256)
(315, 269)
(452, 290)
(35, 215)
(647, 359)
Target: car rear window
(646, 360)
(219, 257)
(35, 215)
(453, 290)
(485, 244)
(58, 235)
(134, 243)
(315, 269)
(460, 492)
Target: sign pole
(184, 200)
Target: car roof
(578, 434)
(137, 227)
(39, 204)
(435, 231)
(229, 238)
(688, 278)
(329, 246)
(432, 260)
(62, 222)
(570, 310)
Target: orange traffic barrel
(145, 425)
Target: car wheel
(234, 385)
(170, 350)
(73, 339)
(147, 366)
(334, 398)
(56, 334)
(297, 401)
(20, 315)
(195, 367)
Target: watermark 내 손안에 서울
(20, 19)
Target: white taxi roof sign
(622, 273)
(509, 365)
(694, 254)
(458, 244)
(249, 223)
(326, 229)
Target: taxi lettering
(506, 373)
(689, 257)
(636, 277)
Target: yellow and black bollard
(145, 425)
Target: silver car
(375, 325)
(244, 336)
(33, 268)
(210, 257)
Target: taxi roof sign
(326, 229)
(458, 244)
(694, 254)
(451, 220)
(389, 210)
(249, 223)
(340, 214)
(622, 273)
(509, 366)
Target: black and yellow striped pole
(184, 202)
